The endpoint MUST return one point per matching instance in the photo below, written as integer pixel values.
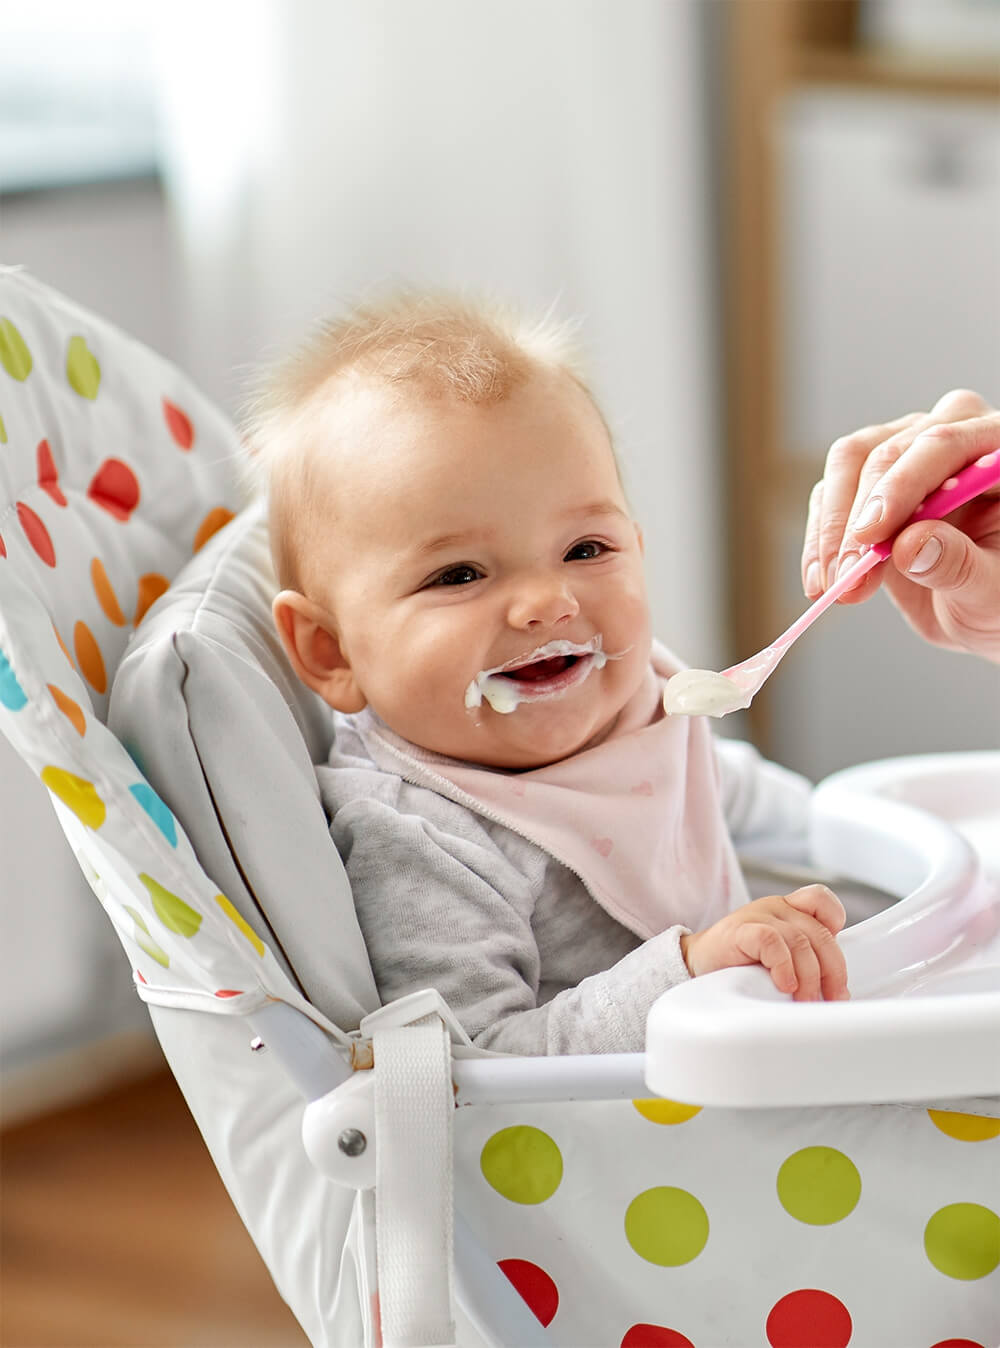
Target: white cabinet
(889, 282)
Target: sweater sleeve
(766, 806)
(441, 906)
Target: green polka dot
(963, 1241)
(82, 368)
(523, 1164)
(3, 432)
(14, 355)
(172, 911)
(144, 941)
(666, 1226)
(819, 1185)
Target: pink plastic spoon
(703, 692)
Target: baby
(462, 582)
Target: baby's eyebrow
(606, 507)
(457, 539)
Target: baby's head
(450, 532)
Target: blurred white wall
(547, 153)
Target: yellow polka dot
(172, 911)
(666, 1111)
(666, 1226)
(69, 709)
(819, 1185)
(964, 1127)
(89, 658)
(244, 926)
(523, 1164)
(77, 794)
(106, 596)
(962, 1241)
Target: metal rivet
(352, 1142)
(257, 1045)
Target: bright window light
(77, 101)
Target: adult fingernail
(846, 565)
(927, 558)
(871, 514)
(814, 580)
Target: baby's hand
(794, 936)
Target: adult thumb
(945, 559)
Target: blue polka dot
(156, 810)
(12, 695)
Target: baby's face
(468, 538)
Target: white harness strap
(414, 1216)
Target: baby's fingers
(820, 903)
(762, 943)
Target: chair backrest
(113, 471)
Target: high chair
(803, 1175)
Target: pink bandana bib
(637, 817)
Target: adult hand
(944, 575)
(792, 935)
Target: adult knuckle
(850, 451)
(959, 402)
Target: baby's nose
(542, 602)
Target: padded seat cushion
(206, 702)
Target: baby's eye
(458, 575)
(585, 551)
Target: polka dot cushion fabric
(652, 1224)
(113, 471)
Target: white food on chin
(702, 692)
(504, 695)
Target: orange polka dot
(62, 645)
(69, 709)
(106, 596)
(151, 586)
(3, 548)
(89, 658)
(211, 524)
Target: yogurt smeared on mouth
(703, 692)
(570, 665)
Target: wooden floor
(116, 1232)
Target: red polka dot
(228, 992)
(36, 534)
(809, 1319)
(115, 488)
(48, 477)
(654, 1336)
(179, 424)
(534, 1286)
(957, 1343)
(139, 976)
(3, 548)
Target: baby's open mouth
(541, 670)
(550, 671)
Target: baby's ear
(314, 650)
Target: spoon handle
(972, 481)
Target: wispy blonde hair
(441, 346)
